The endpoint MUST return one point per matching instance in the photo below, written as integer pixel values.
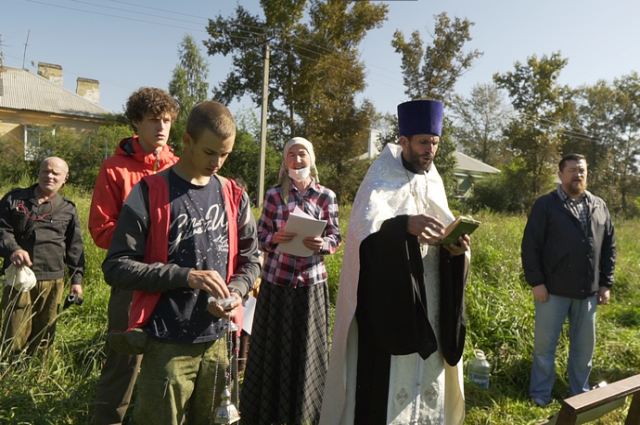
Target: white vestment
(420, 391)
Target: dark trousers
(243, 349)
(120, 371)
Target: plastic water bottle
(479, 370)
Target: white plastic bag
(21, 278)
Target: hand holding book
(428, 229)
(463, 225)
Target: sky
(128, 44)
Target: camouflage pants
(177, 382)
(30, 317)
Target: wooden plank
(600, 396)
(566, 417)
(606, 398)
(633, 417)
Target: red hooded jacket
(118, 174)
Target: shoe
(538, 401)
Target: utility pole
(1, 52)
(1, 68)
(263, 125)
(24, 55)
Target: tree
(387, 124)
(540, 104)
(188, 86)
(333, 120)
(244, 37)
(432, 73)
(246, 154)
(627, 146)
(605, 127)
(590, 131)
(445, 161)
(83, 152)
(502, 191)
(481, 120)
(315, 73)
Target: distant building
(372, 145)
(468, 169)
(30, 102)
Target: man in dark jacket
(39, 229)
(568, 256)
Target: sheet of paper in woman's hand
(304, 225)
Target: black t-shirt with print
(198, 239)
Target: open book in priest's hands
(463, 225)
(303, 225)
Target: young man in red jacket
(151, 112)
(185, 239)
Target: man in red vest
(185, 241)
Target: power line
(162, 10)
(561, 124)
(266, 34)
(332, 51)
(573, 135)
(293, 44)
(248, 29)
(131, 11)
(260, 34)
(112, 16)
(318, 61)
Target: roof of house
(466, 163)
(22, 90)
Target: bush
(508, 191)
(494, 192)
(344, 180)
(83, 152)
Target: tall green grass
(501, 317)
(57, 386)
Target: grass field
(57, 386)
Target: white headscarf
(283, 177)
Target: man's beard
(414, 159)
(578, 189)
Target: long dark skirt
(288, 356)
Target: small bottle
(479, 370)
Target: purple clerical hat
(420, 117)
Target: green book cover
(462, 226)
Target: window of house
(31, 142)
(32, 137)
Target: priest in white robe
(399, 327)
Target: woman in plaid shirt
(289, 352)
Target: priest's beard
(418, 161)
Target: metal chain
(215, 381)
(228, 372)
